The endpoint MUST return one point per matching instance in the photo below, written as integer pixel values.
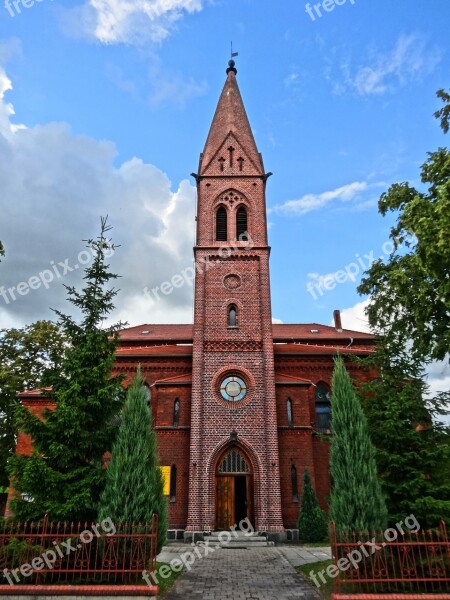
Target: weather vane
(233, 54)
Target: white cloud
(355, 317)
(311, 202)
(409, 60)
(128, 21)
(6, 109)
(53, 188)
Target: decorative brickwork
(233, 346)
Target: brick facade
(184, 365)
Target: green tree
(2, 250)
(30, 357)
(409, 311)
(312, 523)
(134, 485)
(444, 113)
(65, 476)
(413, 447)
(356, 499)
(410, 293)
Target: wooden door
(225, 502)
(250, 506)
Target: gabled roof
(285, 332)
(185, 379)
(163, 333)
(301, 331)
(285, 379)
(38, 393)
(153, 350)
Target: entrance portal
(234, 490)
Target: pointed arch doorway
(234, 489)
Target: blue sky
(112, 102)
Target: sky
(105, 106)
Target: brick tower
(234, 462)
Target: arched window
(148, 393)
(294, 484)
(290, 414)
(173, 483)
(234, 462)
(176, 413)
(241, 224)
(323, 408)
(221, 224)
(232, 316)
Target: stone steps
(237, 540)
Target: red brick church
(241, 406)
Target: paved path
(295, 553)
(254, 573)
(301, 555)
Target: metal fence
(58, 554)
(372, 564)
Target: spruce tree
(65, 476)
(357, 502)
(312, 524)
(134, 484)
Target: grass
(325, 589)
(165, 584)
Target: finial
(231, 67)
(231, 63)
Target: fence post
(43, 537)
(154, 541)
(334, 555)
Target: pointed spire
(231, 118)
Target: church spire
(230, 147)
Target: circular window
(232, 282)
(233, 389)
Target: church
(241, 406)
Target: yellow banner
(165, 471)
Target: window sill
(233, 327)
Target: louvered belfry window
(234, 462)
(221, 224)
(241, 224)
